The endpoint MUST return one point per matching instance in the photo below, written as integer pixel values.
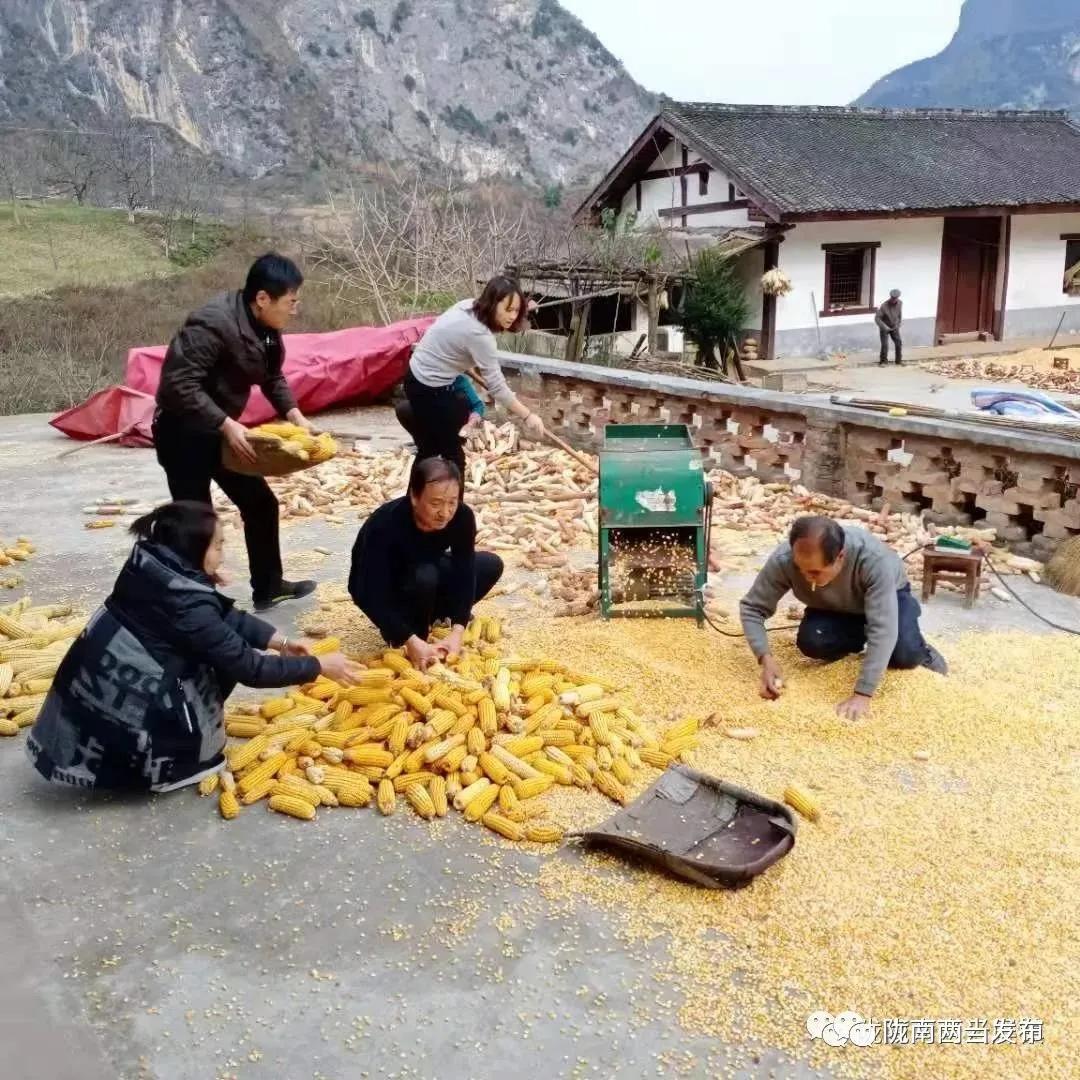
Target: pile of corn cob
(33, 641)
(10, 554)
(1036, 368)
(483, 733)
(765, 511)
(537, 500)
(541, 503)
(297, 441)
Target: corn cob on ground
(486, 734)
(33, 641)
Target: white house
(975, 216)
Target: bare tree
(129, 165)
(404, 243)
(72, 163)
(19, 159)
(168, 204)
(198, 183)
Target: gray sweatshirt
(867, 584)
(455, 342)
(890, 315)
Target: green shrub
(461, 118)
(715, 307)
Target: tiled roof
(811, 160)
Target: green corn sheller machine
(655, 518)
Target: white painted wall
(1037, 261)
(666, 193)
(751, 265)
(909, 259)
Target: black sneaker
(287, 590)
(935, 661)
(883, 363)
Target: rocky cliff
(500, 87)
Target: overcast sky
(767, 52)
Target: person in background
(462, 385)
(138, 702)
(415, 562)
(460, 339)
(857, 596)
(224, 349)
(888, 319)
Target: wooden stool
(954, 564)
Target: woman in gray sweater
(460, 339)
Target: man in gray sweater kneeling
(857, 596)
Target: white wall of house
(908, 259)
(751, 265)
(1035, 298)
(666, 193)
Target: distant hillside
(499, 87)
(1015, 54)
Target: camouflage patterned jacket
(139, 700)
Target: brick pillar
(823, 456)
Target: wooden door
(969, 260)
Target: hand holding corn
(422, 654)
(235, 434)
(772, 683)
(341, 669)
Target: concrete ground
(908, 383)
(917, 354)
(859, 373)
(148, 939)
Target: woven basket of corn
(281, 449)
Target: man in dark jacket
(888, 319)
(221, 352)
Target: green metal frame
(636, 461)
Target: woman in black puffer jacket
(138, 702)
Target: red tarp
(356, 365)
(116, 411)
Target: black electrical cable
(740, 634)
(1023, 603)
(989, 562)
(1015, 595)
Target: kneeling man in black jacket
(415, 562)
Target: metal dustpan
(711, 832)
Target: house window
(1071, 282)
(730, 192)
(849, 278)
(703, 182)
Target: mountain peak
(1020, 54)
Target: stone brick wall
(1025, 486)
